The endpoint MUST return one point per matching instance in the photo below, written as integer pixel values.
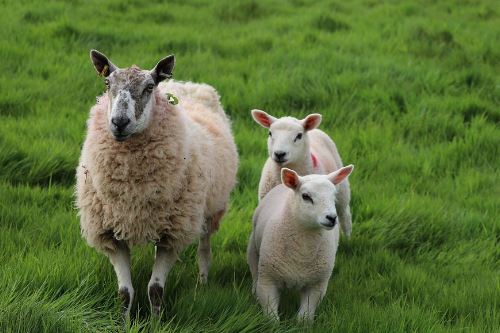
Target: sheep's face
(288, 142)
(131, 93)
(313, 202)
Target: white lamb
(299, 146)
(155, 172)
(294, 240)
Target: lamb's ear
(338, 176)
(163, 69)
(311, 121)
(102, 64)
(290, 178)
(262, 118)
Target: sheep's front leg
(269, 297)
(120, 259)
(164, 261)
(310, 297)
(253, 262)
(269, 178)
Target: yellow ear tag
(104, 71)
(172, 99)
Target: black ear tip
(94, 54)
(97, 54)
(169, 58)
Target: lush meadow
(410, 91)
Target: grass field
(410, 91)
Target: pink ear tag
(314, 160)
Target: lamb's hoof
(124, 295)
(203, 278)
(155, 298)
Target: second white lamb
(294, 240)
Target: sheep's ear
(290, 178)
(163, 69)
(102, 64)
(311, 121)
(338, 176)
(262, 118)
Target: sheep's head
(131, 93)
(288, 142)
(313, 201)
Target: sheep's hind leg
(345, 220)
(204, 257)
(164, 261)
(120, 259)
(204, 248)
(343, 208)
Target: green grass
(409, 91)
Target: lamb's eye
(298, 137)
(270, 134)
(150, 87)
(307, 197)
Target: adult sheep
(300, 146)
(151, 171)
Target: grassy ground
(410, 92)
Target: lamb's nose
(279, 155)
(332, 219)
(120, 122)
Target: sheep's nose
(120, 122)
(332, 219)
(279, 155)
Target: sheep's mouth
(121, 137)
(280, 161)
(328, 225)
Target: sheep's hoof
(203, 278)
(124, 295)
(155, 298)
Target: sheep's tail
(197, 92)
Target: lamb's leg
(204, 248)
(343, 208)
(120, 259)
(345, 220)
(269, 297)
(164, 261)
(310, 297)
(253, 262)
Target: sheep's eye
(106, 83)
(307, 197)
(298, 137)
(270, 134)
(150, 87)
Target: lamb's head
(313, 199)
(288, 142)
(131, 93)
